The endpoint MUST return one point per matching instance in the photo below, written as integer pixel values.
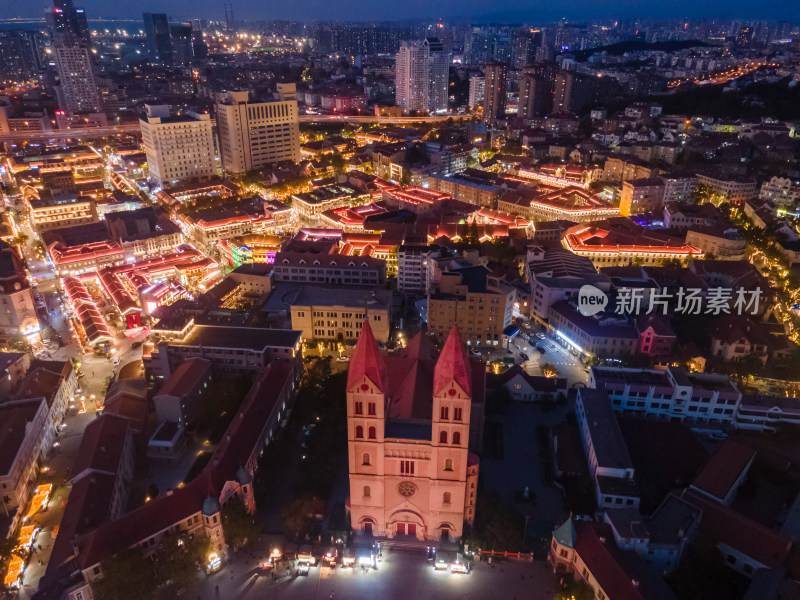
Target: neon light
(569, 341)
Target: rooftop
(340, 296)
(250, 338)
(184, 379)
(609, 446)
(727, 465)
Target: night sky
(483, 10)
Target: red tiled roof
(366, 361)
(733, 529)
(452, 365)
(101, 445)
(184, 379)
(723, 469)
(595, 553)
(234, 450)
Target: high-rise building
(19, 56)
(178, 148)
(574, 92)
(745, 37)
(409, 418)
(535, 95)
(199, 47)
(159, 43)
(495, 91)
(421, 76)
(256, 134)
(68, 24)
(77, 92)
(476, 91)
(181, 43)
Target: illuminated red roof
(623, 235)
(452, 365)
(366, 361)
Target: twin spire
(452, 365)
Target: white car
(116, 361)
(343, 359)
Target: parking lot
(400, 576)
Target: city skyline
(508, 11)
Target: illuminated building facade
(409, 417)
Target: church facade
(408, 416)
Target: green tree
(296, 515)
(239, 525)
(178, 559)
(575, 589)
(126, 576)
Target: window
(365, 458)
(448, 464)
(359, 431)
(442, 437)
(406, 467)
(443, 413)
(359, 408)
(456, 414)
(366, 491)
(372, 435)
(456, 439)
(564, 553)
(446, 498)
(371, 408)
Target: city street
(401, 575)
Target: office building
(256, 134)
(422, 76)
(495, 92)
(409, 417)
(178, 148)
(159, 42)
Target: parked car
(474, 351)
(540, 349)
(524, 356)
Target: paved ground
(520, 467)
(400, 576)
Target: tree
(573, 589)
(237, 524)
(296, 515)
(178, 559)
(126, 576)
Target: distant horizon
(500, 12)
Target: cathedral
(414, 422)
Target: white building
(610, 464)
(178, 148)
(77, 92)
(702, 400)
(256, 134)
(477, 85)
(421, 76)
